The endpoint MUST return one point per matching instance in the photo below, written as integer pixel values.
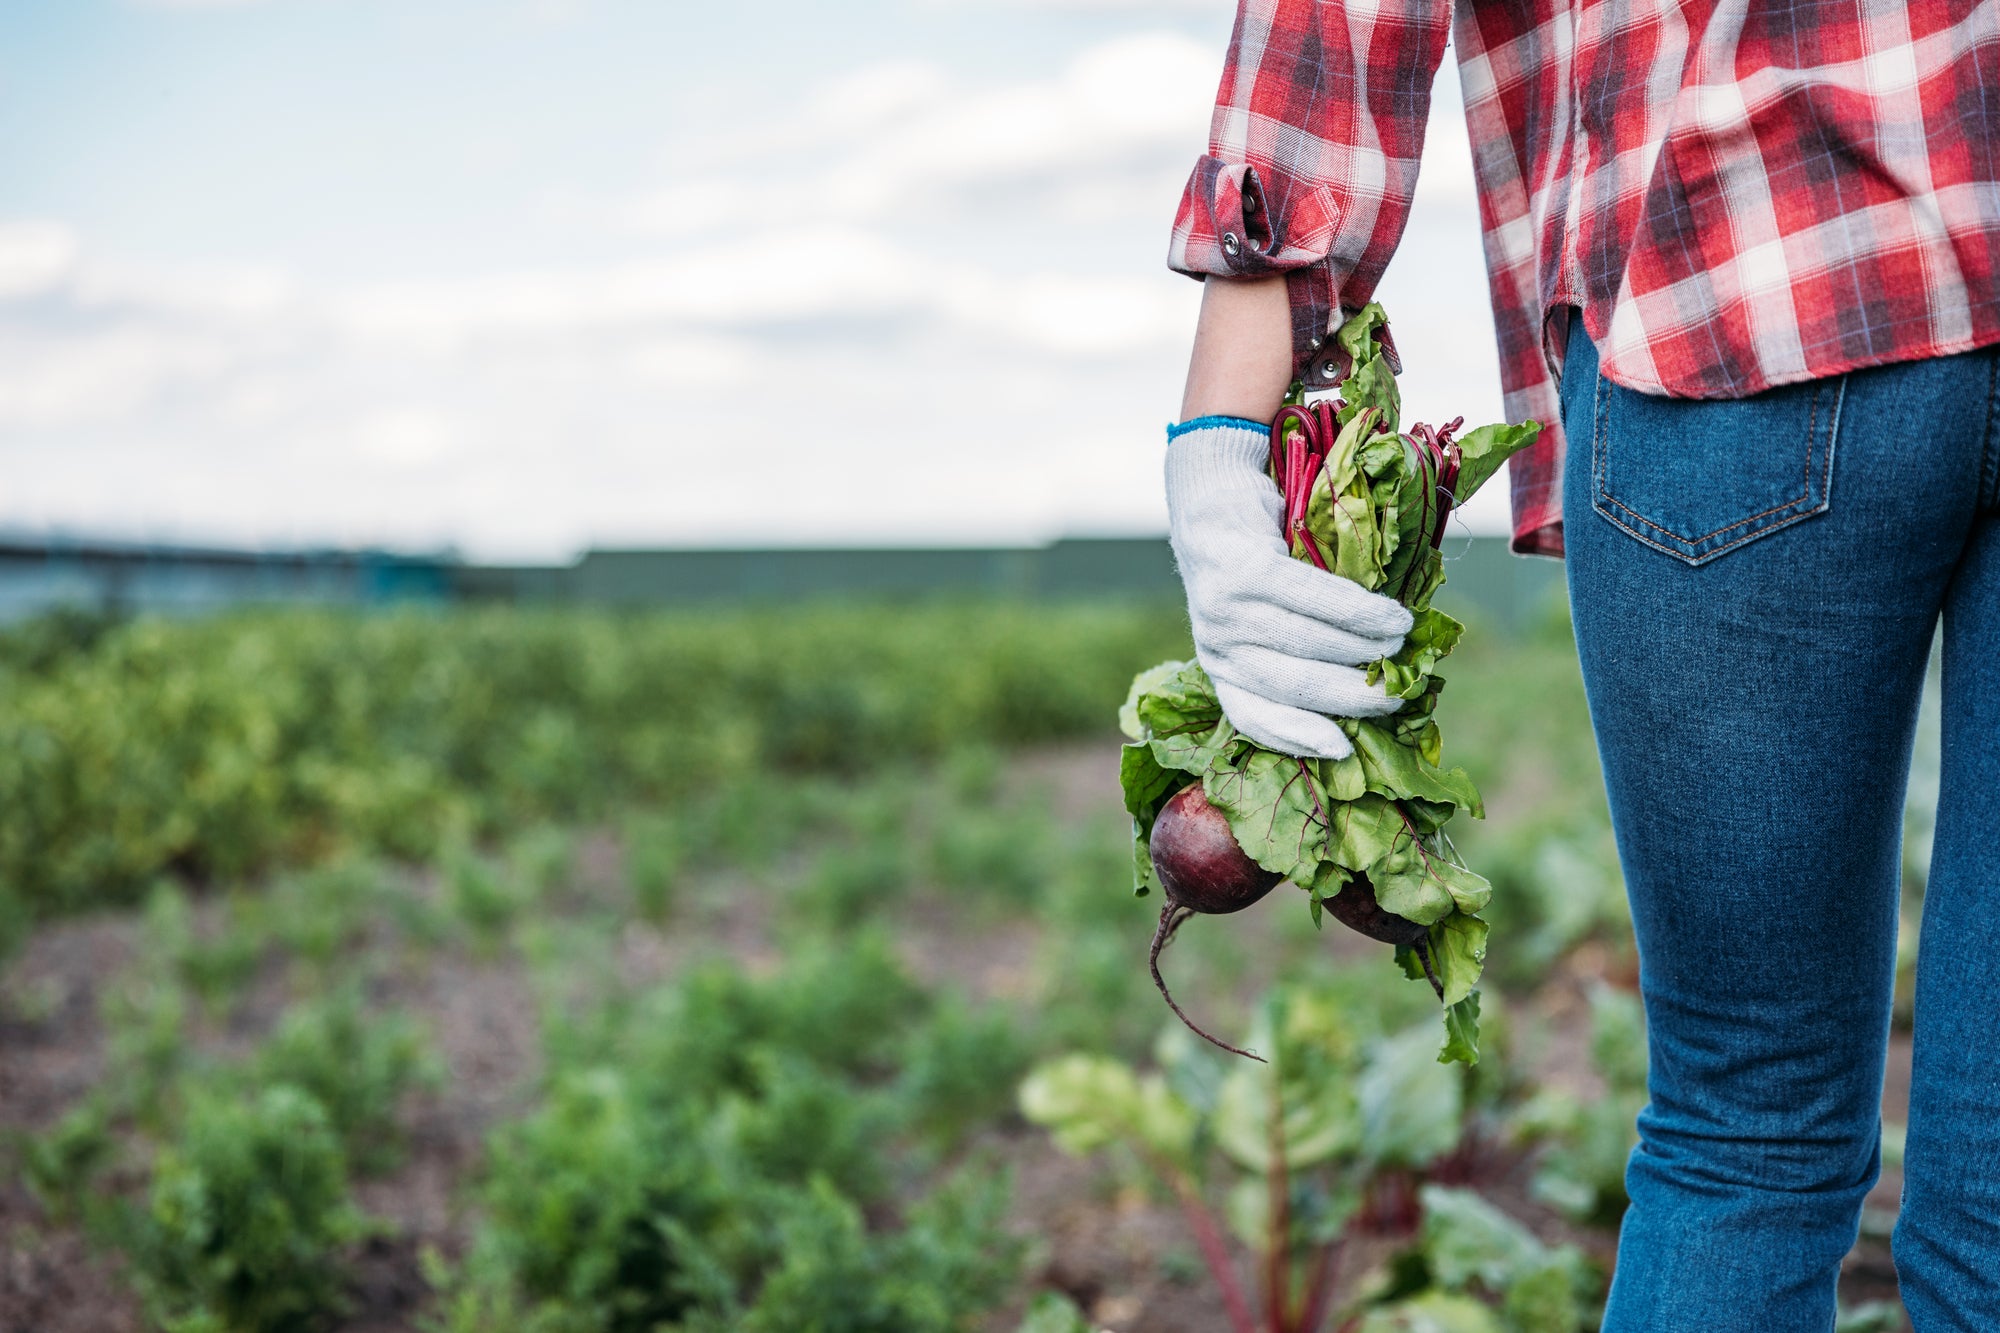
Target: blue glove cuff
(1206, 423)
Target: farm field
(568, 973)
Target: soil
(1127, 1258)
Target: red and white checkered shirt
(1737, 193)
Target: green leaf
(1405, 885)
(1357, 554)
(1411, 1106)
(1142, 860)
(1461, 1032)
(1397, 770)
(1371, 383)
(1276, 809)
(1090, 1102)
(1458, 952)
(1183, 701)
(1195, 750)
(1313, 1054)
(1364, 832)
(1433, 1312)
(1146, 784)
(1142, 684)
(1356, 335)
(1618, 1038)
(1053, 1312)
(1470, 1245)
(1469, 1242)
(1344, 779)
(1482, 451)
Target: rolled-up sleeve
(1313, 152)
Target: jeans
(1756, 585)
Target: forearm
(1242, 361)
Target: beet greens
(1368, 501)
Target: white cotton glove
(1280, 638)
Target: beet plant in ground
(1331, 1138)
(1362, 836)
(1345, 1132)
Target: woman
(1745, 266)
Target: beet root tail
(1171, 916)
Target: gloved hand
(1280, 638)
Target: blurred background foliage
(703, 970)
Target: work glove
(1281, 639)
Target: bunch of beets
(1219, 820)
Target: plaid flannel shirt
(1737, 193)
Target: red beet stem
(1171, 916)
(1423, 951)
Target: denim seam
(1598, 455)
(1989, 460)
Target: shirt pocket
(1699, 478)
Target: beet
(1202, 869)
(1198, 862)
(1355, 907)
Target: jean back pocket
(1699, 478)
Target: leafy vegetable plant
(246, 1213)
(1298, 1153)
(1363, 836)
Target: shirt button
(1249, 203)
(1232, 244)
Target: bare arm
(1242, 358)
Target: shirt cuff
(1227, 227)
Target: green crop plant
(847, 885)
(1582, 1170)
(358, 1065)
(481, 896)
(1327, 1136)
(960, 1068)
(1052, 1312)
(262, 739)
(317, 913)
(1473, 1269)
(247, 1211)
(542, 860)
(989, 853)
(61, 1164)
(147, 1019)
(656, 853)
(213, 963)
(733, 1153)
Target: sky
(519, 277)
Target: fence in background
(39, 574)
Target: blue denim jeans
(1755, 586)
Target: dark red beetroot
(1198, 861)
(1202, 869)
(1355, 907)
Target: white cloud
(52, 380)
(406, 437)
(35, 257)
(917, 305)
(898, 141)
